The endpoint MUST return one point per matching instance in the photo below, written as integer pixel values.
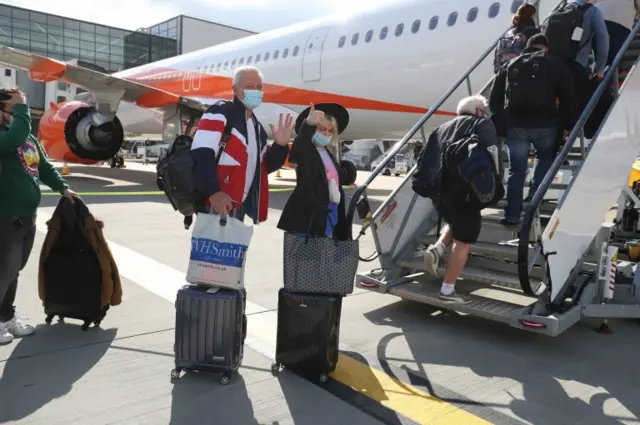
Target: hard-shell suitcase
(210, 331)
(308, 333)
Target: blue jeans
(518, 140)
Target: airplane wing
(45, 70)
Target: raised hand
(282, 134)
(315, 117)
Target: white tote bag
(218, 251)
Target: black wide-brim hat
(338, 112)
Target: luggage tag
(577, 34)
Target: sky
(246, 14)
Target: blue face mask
(252, 98)
(321, 139)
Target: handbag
(317, 264)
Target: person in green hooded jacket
(23, 165)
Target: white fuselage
(385, 84)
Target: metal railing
(524, 262)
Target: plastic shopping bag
(218, 251)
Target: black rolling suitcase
(308, 333)
(210, 331)
(72, 272)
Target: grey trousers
(16, 241)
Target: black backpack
(174, 172)
(471, 175)
(559, 30)
(527, 87)
(426, 180)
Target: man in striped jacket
(241, 174)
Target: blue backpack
(471, 174)
(509, 47)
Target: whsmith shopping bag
(218, 251)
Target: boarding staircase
(509, 276)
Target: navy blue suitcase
(210, 331)
(308, 333)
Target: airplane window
(276, 54)
(226, 64)
(416, 26)
(233, 64)
(383, 33)
(241, 62)
(354, 39)
(257, 58)
(285, 53)
(369, 36)
(219, 65)
(433, 23)
(249, 60)
(515, 5)
(452, 19)
(343, 40)
(266, 56)
(295, 51)
(472, 15)
(494, 10)
(399, 30)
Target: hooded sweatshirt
(23, 164)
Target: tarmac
(400, 363)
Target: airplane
(385, 66)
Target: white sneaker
(5, 336)
(18, 328)
(431, 261)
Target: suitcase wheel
(85, 326)
(226, 378)
(175, 374)
(49, 319)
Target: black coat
(308, 206)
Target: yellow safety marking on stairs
(400, 397)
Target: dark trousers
(617, 35)
(16, 241)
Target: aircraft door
(312, 59)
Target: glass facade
(167, 29)
(112, 49)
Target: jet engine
(75, 132)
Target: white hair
(240, 71)
(469, 104)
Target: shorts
(465, 223)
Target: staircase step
(480, 305)
(486, 277)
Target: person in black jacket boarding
(527, 89)
(463, 224)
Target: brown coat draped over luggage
(111, 285)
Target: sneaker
(18, 328)
(5, 336)
(454, 297)
(509, 223)
(431, 261)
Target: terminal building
(98, 47)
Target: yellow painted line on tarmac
(400, 397)
(140, 193)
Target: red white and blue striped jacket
(229, 175)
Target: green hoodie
(23, 163)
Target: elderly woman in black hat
(317, 205)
